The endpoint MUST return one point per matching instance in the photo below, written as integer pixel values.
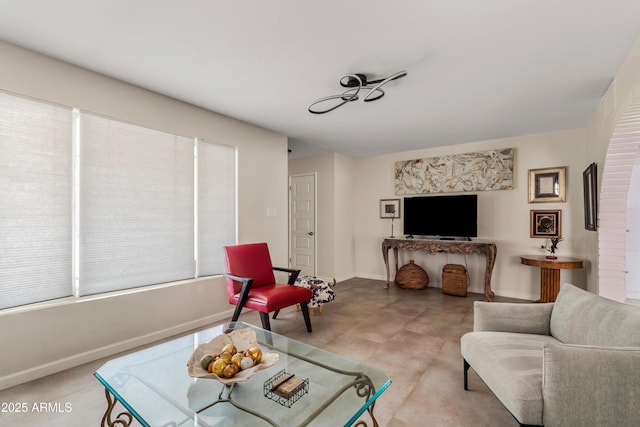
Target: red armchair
(251, 283)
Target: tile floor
(413, 335)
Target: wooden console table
(550, 273)
(450, 246)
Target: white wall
(633, 233)
(345, 212)
(42, 339)
(335, 212)
(623, 91)
(503, 215)
(324, 168)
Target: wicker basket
(454, 280)
(412, 276)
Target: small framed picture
(590, 184)
(390, 208)
(547, 185)
(546, 224)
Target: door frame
(315, 218)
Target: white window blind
(136, 206)
(216, 205)
(35, 206)
(97, 205)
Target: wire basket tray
(285, 392)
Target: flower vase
(551, 257)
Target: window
(35, 207)
(216, 205)
(138, 207)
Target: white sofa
(575, 362)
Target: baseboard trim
(472, 289)
(106, 351)
(370, 276)
(343, 278)
(337, 279)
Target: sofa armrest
(512, 317)
(588, 385)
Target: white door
(302, 224)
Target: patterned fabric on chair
(251, 283)
(322, 292)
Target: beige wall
(323, 168)
(346, 216)
(503, 216)
(334, 209)
(70, 332)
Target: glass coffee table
(155, 388)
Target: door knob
(310, 233)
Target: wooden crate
(455, 280)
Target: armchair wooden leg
(305, 314)
(465, 370)
(275, 314)
(264, 317)
(236, 313)
(242, 299)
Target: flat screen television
(441, 216)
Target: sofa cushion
(580, 317)
(511, 366)
(590, 386)
(512, 317)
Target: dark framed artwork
(390, 208)
(547, 185)
(590, 185)
(546, 224)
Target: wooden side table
(550, 273)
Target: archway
(619, 161)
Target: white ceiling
(477, 69)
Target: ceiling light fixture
(355, 83)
